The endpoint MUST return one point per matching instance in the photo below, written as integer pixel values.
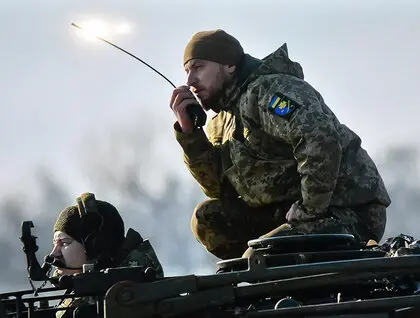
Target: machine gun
(323, 275)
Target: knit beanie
(112, 231)
(215, 45)
(69, 222)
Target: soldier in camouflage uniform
(275, 156)
(92, 232)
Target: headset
(92, 225)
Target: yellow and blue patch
(281, 105)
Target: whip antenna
(126, 52)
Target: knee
(203, 218)
(213, 229)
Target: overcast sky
(59, 90)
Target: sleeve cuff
(191, 143)
(299, 212)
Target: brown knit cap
(215, 45)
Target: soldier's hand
(293, 213)
(180, 99)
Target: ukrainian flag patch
(281, 105)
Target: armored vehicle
(319, 275)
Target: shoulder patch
(281, 105)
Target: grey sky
(58, 90)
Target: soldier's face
(69, 252)
(207, 80)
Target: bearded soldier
(275, 156)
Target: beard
(212, 102)
(216, 92)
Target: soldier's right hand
(180, 99)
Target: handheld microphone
(50, 260)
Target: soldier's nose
(191, 80)
(56, 252)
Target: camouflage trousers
(224, 228)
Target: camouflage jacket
(276, 141)
(140, 253)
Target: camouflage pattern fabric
(144, 255)
(225, 228)
(277, 141)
